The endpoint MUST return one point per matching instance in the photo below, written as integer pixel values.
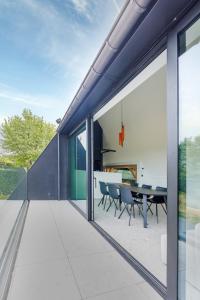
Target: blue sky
(46, 48)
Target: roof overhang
(141, 24)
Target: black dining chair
(127, 199)
(139, 196)
(137, 200)
(158, 200)
(147, 186)
(104, 192)
(144, 186)
(114, 196)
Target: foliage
(189, 178)
(182, 166)
(6, 161)
(24, 138)
(189, 154)
(9, 179)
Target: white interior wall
(144, 118)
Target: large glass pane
(189, 163)
(12, 183)
(13, 190)
(77, 168)
(137, 116)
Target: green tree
(24, 138)
(182, 165)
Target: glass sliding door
(130, 156)
(77, 168)
(189, 163)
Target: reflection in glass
(77, 168)
(189, 163)
(12, 181)
(13, 190)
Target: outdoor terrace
(61, 256)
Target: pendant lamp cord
(121, 114)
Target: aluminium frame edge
(173, 140)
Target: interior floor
(144, 244)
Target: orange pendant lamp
(122, 131)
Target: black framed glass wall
(138, 116)
(77, 152)
(189, 162)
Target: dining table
(145, 194)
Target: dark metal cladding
(43, 176)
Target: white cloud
(58, 39)
(116, 5)
(82, 7)
(53, 32)
(65, 44)
(23, 99)
(12, 95)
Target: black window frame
(173, 142)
